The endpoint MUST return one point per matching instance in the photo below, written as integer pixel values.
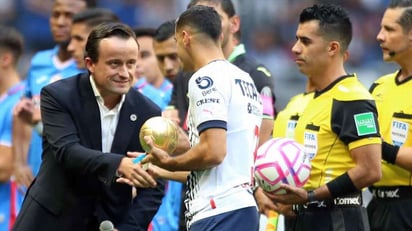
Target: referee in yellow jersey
(338, 127)
(391, 206)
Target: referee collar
(239, 50)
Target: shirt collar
(99, 98)
(239, 50)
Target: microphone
(392, 53)
(106, 225)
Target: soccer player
(46, 66)
(151, 81)
(235, 52)
(82, 24)
(225, 112)
(391, 204)
(338, 128)
(11, 89)
(165, 47)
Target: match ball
(163, 131)
(281, 160)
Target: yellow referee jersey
(393, 100)
(286, 120)
(338, 119)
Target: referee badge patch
(365, 123)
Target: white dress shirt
(109, 118)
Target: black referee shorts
(391, 209)
(339, 214)
(335, 219)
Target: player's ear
(185, 38)
(234, 24)
(6, 59)
(334, 48)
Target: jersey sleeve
(355, 120)
(210, 97)
(265, 85)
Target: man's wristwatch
(311, 196)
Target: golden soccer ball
(163, 131)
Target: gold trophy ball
(163, 132)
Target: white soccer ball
(281, 160)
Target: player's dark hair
(334, 22)
(405, 20)
(202, 19)
(94, 16)
(12, 41)
(106, 30)
(144, 31)
(90, 3)
(165, 31)
(226, 5)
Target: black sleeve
(263, 79)
(354, 120)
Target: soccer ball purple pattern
(281, 160)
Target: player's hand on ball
(293, 195)
(155, 155)
(163, 131)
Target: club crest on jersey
(204, 82)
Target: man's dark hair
(227, 5)
(94, 16)
(405, 20)
(202, 19)
(106, 30)
(334, 22)
(144, 31)
(11, 41)
(165, 31)
(91, 3)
